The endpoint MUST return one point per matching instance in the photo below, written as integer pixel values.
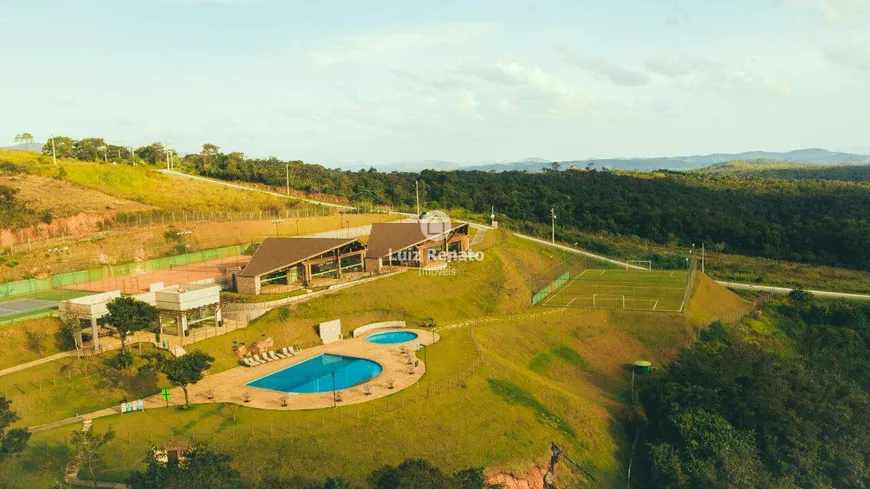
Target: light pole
(553, 236)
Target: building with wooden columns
(413, 244)
(286, 263)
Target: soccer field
(647, 290)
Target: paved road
(730, 285)
(579, 252)
(786, 290)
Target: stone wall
(248, 285)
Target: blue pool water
(315, 374)
(391, 337)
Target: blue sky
(473, 80)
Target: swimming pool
(316, 375)
(392, 337)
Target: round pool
(392, 337)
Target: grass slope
(64, 199)
(503, 415)
(145, 185)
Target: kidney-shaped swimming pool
(322, 373)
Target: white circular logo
(434, 224)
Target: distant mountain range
(802, 156)
(34, 147)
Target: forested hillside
(824, 222)
(817, 222)
(790, 171)
(781, 402)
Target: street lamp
(553, 214)
(425, 355)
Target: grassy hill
(539, 375)
(139, 184)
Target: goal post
(638, 265)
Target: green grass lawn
(659, 290)
(29, 340)
(68, 387)
(559, 377)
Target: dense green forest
(817, 222)
(823, 222)
(767, 413)
(787, 170)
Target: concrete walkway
(229, 386)
(23, 366)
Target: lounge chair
(294, 350)
(255, 361)
(257, 358)
(273, 356)
(278, 354)
(286, 352)
(247, 361)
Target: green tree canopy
(183, 371)
(197, 468)
(64, 147)
(87, 450)
(26, 138)
(14, 440)
(128, 315)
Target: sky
(376, 81)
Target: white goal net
(638, 265)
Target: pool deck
(229, 385)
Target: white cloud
(855, 57)
(604, 68)
(693, 71)
(834, 9)
(675, 65)
(746, 82)
(395, 43)
(467, 104)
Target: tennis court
(22, 306)
(647, 290)
(176, 274)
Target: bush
(122, 361)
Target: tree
(196, 468)
(12, 441)
(128, 315)
(154, 153)
(64, 147)
(87, 449)
(26, 138)
(555, 166)
(709, 453)
(420, 474)
(183, 371)
(90, 149)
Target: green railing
(110, 271)
(550, 288)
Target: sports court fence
(550, 288)
(63, 280)
(690, 282)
